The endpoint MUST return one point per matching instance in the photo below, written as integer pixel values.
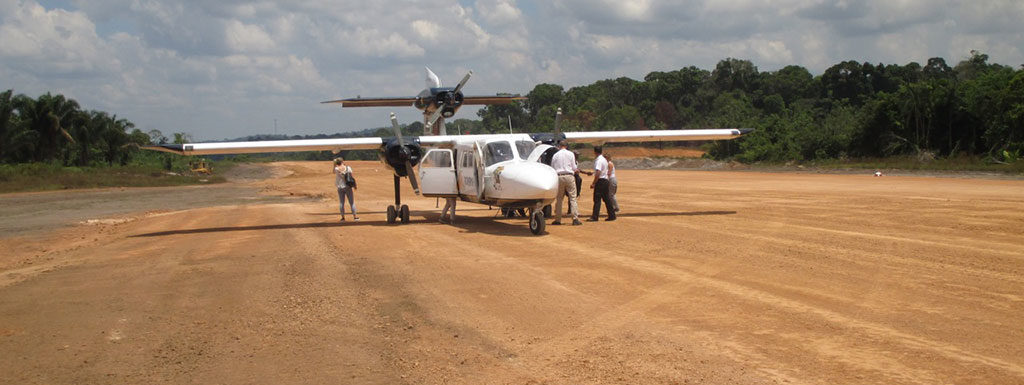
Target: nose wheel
(537, 222)
(399, 214)
(398, 211)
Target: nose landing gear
(398, 211)
(537, 223)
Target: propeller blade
(558, 120)
(412, 177)
(409, 171)
(432, 80)
(396, 129)
(433, 118)
(463, 82)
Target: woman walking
(346, 184)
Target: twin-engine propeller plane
(435, 101)
(510, 171)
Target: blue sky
(229, 68)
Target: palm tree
(87, 130)
(6, 122)
(48, 116)
(115, 135)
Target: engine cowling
(448, 102)
(395, 155)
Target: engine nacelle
(448, 102)
(394, 156)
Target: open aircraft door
(481, 180)
(437, 174)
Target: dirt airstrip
(707, 277)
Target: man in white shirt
(600, 186)
(564, 163)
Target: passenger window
(438, 159)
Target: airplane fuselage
(502, 171)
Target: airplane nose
(531, 180)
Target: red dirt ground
(707, 277)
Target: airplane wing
(495, 99)
(655, 135)
(338, 144)
(396, 101)
(372, 143)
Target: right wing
(396, 101)
(338, 144)
(599, 137)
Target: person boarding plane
(510, 171)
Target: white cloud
(53, 42)
(227, 68)
(498, 13)
(247, 38)
(426, 29)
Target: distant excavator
(203, 167)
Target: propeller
(437, 114)
(408, 165)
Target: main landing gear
(402, 211)
(535, 214)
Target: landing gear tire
(547, 211)
(537, 222)
(392, 214)
(405, 214)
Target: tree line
(853, 109)
(52, 128)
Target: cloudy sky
(229, 68)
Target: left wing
(391, 101)
(338, 144)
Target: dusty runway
(708, 277)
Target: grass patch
(43, 177)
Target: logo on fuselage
(497, 177)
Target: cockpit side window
(497, 152)
(525, 147)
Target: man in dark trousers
(600, 186)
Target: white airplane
(510, 171)
(435, 101)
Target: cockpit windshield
(497, 152)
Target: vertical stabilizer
(432, 80)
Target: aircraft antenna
(510, 124)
